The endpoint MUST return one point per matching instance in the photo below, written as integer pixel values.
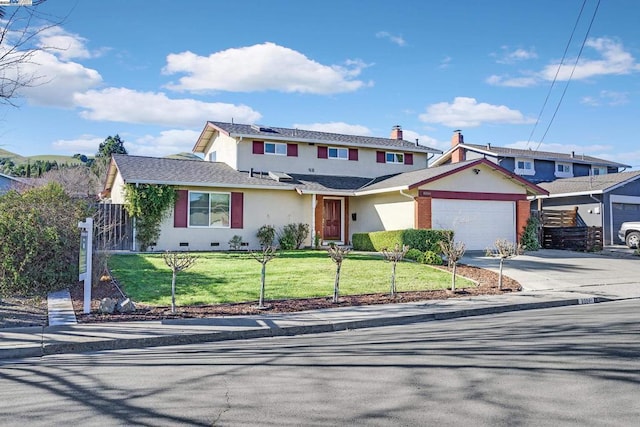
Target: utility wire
(575, 64)
(553, 82)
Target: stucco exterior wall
(276, 208)
(388, 211)
(225, 149)
(485, 181)
(307, 162)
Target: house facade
(338, 184)
(533, 165)
(603, 201)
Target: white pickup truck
(629, 233)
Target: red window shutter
(408, 158)
(380, 157)
(237, 210)
(258, 147)
(292, 150)
(353, 154)
(323, 152)
(181, 209)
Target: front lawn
(220, 277)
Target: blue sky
(155, 72)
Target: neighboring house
(535, 166)
(603, 201)
(338, 184)
(8, 182)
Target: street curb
(205, 337)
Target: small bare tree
(177, 262)
(393, 256)
(267, 254)
(337, 255)
(504, 249)
(453, 251)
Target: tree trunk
(336, 285)
(263, 277)
(500, 274)
(453, 278)
(173, 292)
(393, 279)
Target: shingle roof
(254, 131)
(546, 155)
(588, 184)
(154, 170)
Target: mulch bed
(487, 285)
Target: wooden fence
(573, 238)
(113, 228)
(560, 218)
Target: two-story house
(535, 166)
(338, 184)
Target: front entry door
(332, 221)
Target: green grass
(219, 277)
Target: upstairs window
(564, 170)
(524, 167)
(275, 148)
(599, 170)
(394, 158)
(338, 153)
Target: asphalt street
(577, 365)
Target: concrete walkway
(60, 309)
(550, 279)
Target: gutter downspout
(135, 231)
(407, 195)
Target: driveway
(609, 274)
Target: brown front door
(331, 217)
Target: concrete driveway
(609, 274)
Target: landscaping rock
(107, 305)
(126, 306)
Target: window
(212, 156)
(275, 148)
(563, 170)
(394, 158)
(524, 167)
(209, 209)
(599, 170)
(338, 153)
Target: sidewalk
(73, 338)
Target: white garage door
(477, 223)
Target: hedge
(421, 239)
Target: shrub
(430, 258)
(292, 236)
(40, 240)
(235, 243)
(529, 239)
(413, 254)
(266, 235)
(420, 239)
(362, 242)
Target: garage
(623, 209)
(477, 223)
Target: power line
(553, 82)
(575, 64)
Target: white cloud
(508, 56)
(168, 142)
(63, 44)
(261, 67)
(445, 62)
(129, 106)
(425, 140)
(84, 144)
(607, 97)
(335, 127)
(468, 112)
(614, 60)
(391, 37)
(55, 81)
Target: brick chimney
(396, 132)
(458, 155)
